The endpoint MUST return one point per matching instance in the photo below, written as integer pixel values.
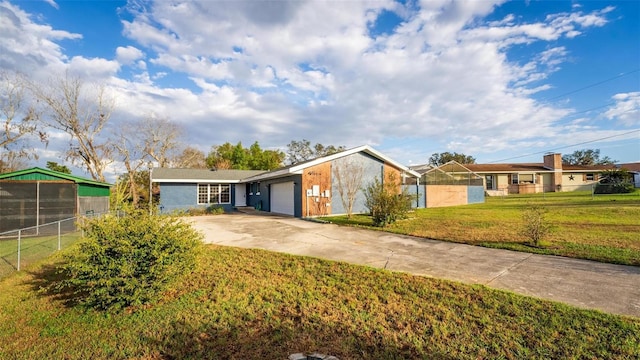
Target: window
(203, 194)
(590, 177)
(514, 179)
(489, 180)
(527, 178)
(214, 193)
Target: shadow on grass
(255, 339)
(47, 281)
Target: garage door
(282, 198)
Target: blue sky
(504, 82)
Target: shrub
(130, 260)
(618, 188)
(215, 209)
(535, 226)
(385, 202)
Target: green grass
(240, 304)
(32, 248)
(603, 228)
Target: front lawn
(603, 228)
(246, 304)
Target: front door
(241, 194)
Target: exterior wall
(546, 180)
(579, 182)
(502, 181)
(392, 173)
(372, 168)
(446, 195)
(93, 205)
(636, 180)
(475, 195)
(93, 190)
(319, 203)
(184, 196)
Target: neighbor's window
(514, 179)
(214, 193)
(590, 177)
(527, 178)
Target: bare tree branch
(18, 120)
(83, 114)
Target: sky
(500, 81)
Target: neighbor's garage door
(282, 198)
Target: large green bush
(129, 260)
(385, 202)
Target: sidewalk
(586, 284)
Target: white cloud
(128, 55)
(27, 46)
(626, 109)
(95, 68)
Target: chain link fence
(20, 248)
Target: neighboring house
(549, 176)
(450, 184)
(633, 169)
(38, 196)
(307, 189)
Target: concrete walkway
(587, 284)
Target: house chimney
(554, 162)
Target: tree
(18, 121)
(264, 159)
(587, 157)
(160, 139)
(535, 226)
(12, 161)
(191, 158)
(438, 159)
(348, 175)
(300, 151)
(52, 165)
(129, 146)
(82, 112)
(228, 156)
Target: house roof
(299, 168)
(532, 167)
(634, 167)
(37, 173)
(167, 175)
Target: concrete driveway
(587, 284)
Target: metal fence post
(59, 235)
(19, 234)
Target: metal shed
(38, 196)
